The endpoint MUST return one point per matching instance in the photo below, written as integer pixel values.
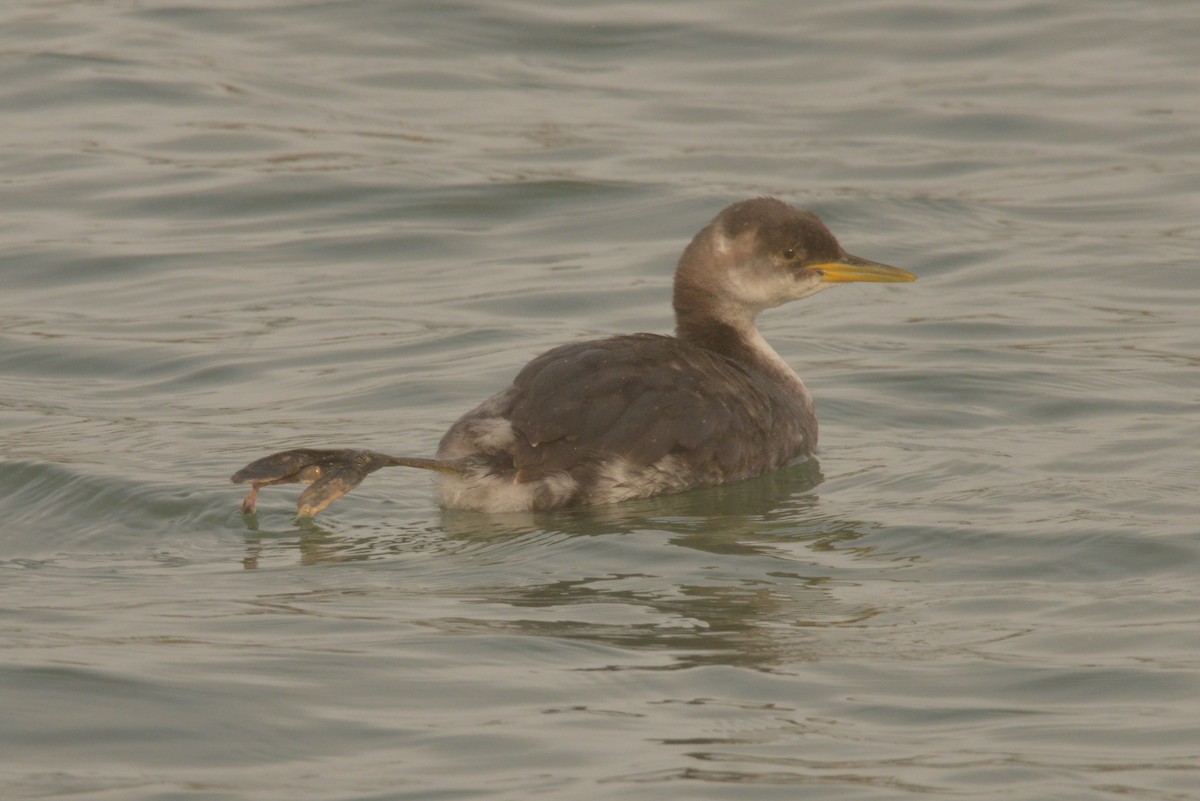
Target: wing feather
(640, 397)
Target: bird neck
(730, 332)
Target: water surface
(230, 228)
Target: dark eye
(790, 253)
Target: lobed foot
(330, 474)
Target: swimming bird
(637, 415)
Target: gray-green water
(228, 228)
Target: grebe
(637, 415)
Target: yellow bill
(852, 268)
